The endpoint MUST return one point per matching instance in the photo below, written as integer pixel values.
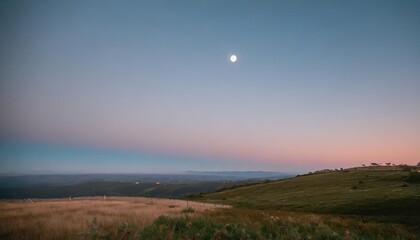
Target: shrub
(187, 210)
(182, 228)
(94, 232)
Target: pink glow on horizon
(247, 141)
(328, 151)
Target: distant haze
(147, 86)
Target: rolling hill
(370, 191)
(357, 203)
(146, 185)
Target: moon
(233, 58)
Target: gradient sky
(147, 86)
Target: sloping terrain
(80, 218)
(357, 203)
(115, 189)
(375, 191)
(146, 185)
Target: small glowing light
(233, 58)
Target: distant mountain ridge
(51, 179)
(244, 174)
(157, 185)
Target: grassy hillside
(123, 218)
(175, 190)
(87, 218)
(362, 203)
(362, 191)
(252, 224)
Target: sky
(147, 86)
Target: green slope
(362, 191)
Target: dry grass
(241, 223)
(358, 227)
(64, 219)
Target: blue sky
(317, 84)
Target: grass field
(357, 203)
(240, 223)
(64, 219)
(388, 195)
(363, 191)
(138, 218)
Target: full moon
(233, 58)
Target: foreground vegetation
(239, 223)
(382, 194)
(65, 219)
(363, 203)
(139, 218)
(363, 191)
